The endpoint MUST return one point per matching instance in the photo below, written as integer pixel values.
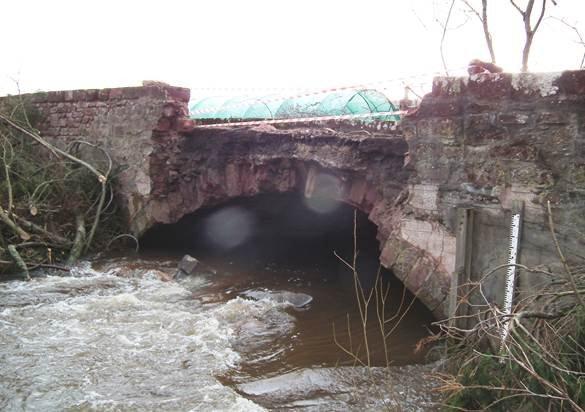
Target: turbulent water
(117, 335)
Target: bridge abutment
(486, 142)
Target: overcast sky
(58, 44)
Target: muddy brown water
(116, 336)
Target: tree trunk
(486, 31)
(526, 51)
(18, 260)
(79, 242)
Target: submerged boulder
(298, 300)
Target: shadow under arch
(289, 245)
(218, 168)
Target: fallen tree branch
(103, 179)
(34, 266)
(38, 229)
(18, 260)
(50, 266)
(6, 163)
(79, 241)
(55, 149)
(12, 225)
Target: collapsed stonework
(476, 143)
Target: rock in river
(298, 300)
(186, 266)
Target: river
(120, 334)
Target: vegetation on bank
(540, 366)
(56, 203)
(543, 368)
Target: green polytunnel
(345, 102)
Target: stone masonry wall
(120, 120)
(484, 141)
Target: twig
(349, 352)
(49, 146)
(50, 266)
(529, 30)
(122, 236)
(34, 266)
(443, 37)
(483, 18)
(581, 40)
(568, 272)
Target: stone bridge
(473, 144)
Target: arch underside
(421, 273)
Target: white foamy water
(100, 342)
(120, 336)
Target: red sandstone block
(185, 125)
(514, 118)
(572, 82)
(183, 111)
(408, 130)
(473, 107)
(55, 97)
(116, 93)
(132, 93)
(516, 151)
(481, 129)
(439, 107)
(550, 118)
(448, 86)
(163, 125)
(104, 94)
(179, 93)
(41, 97)
(169, 110)
(85, 95)
(490, 86)
(155, 92)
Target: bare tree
(578, 33)
(483, 18)
(445, 26)
(529, 29)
